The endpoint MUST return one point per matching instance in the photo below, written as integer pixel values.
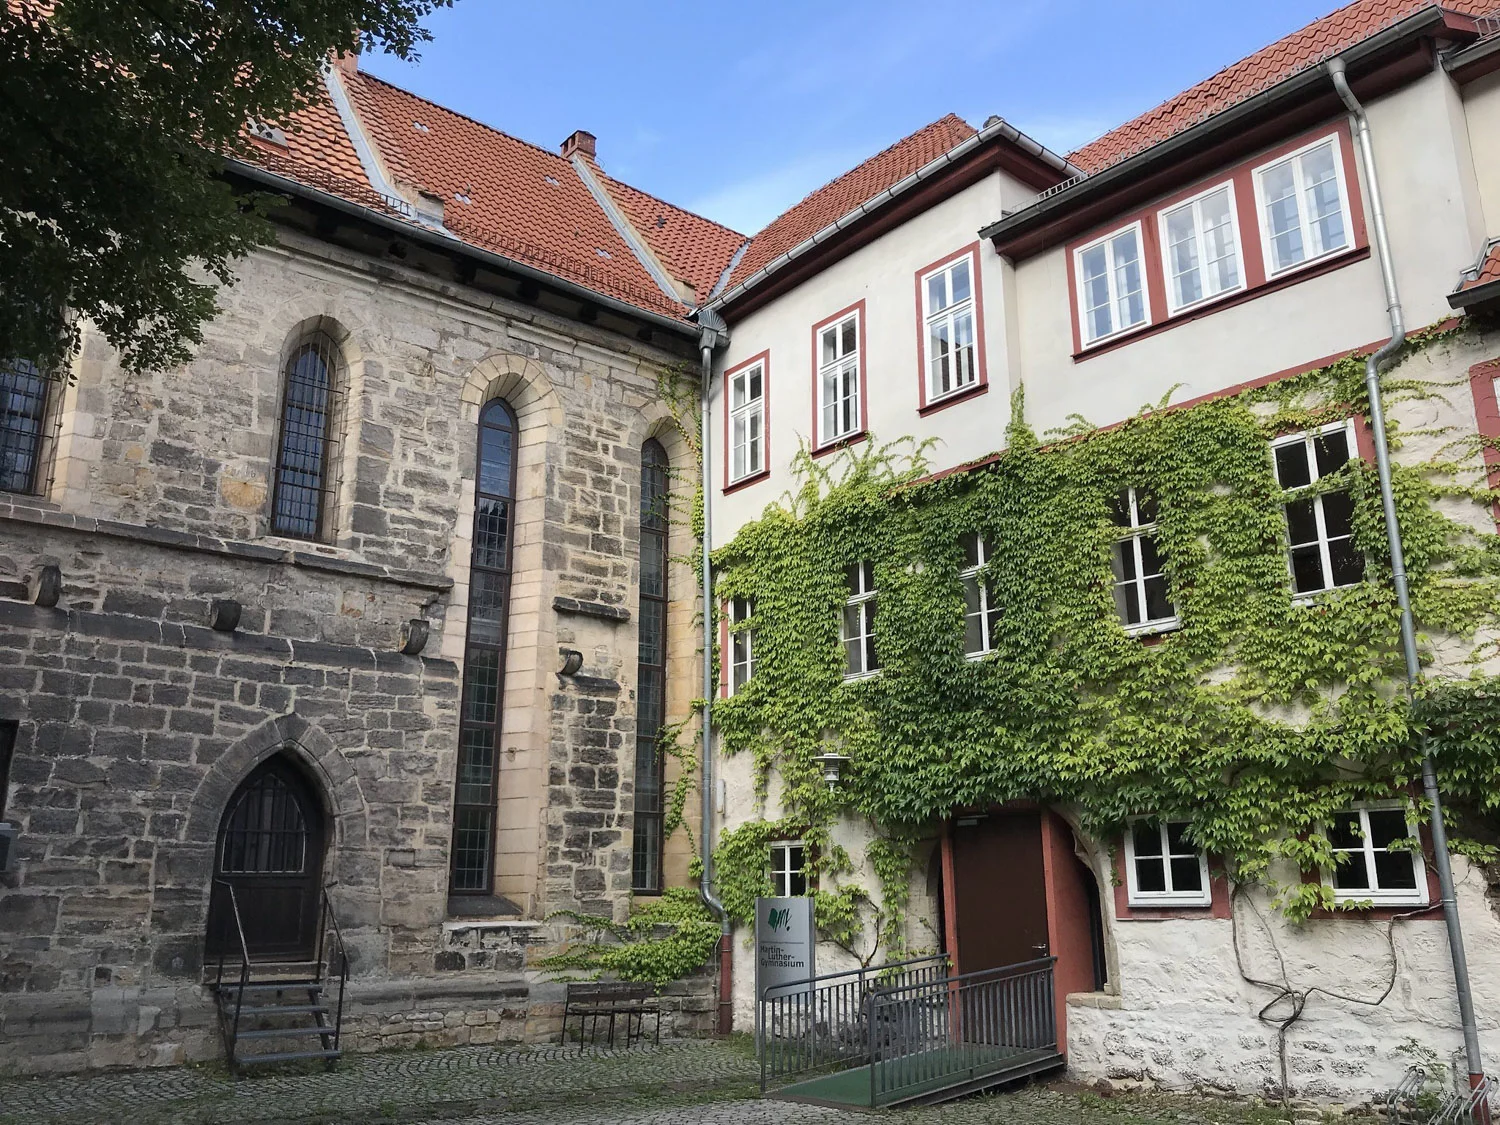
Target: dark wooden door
(999, 891)
(270, 851)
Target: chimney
(347, 63)
(581, 143)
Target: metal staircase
(271, 1011)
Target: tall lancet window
(651, 695)
(311, 388)
(473, 868)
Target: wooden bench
(592, 1000)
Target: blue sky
(739, 110)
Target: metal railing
(333, 958)
(821, 1022)
(231, 1030)
(937, 1034)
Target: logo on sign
(779, 920)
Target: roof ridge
(668, 202)
(870, 160)
(463, 116)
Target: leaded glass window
(651, 683)
(301, 503)
(23, 412)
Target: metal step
(276, 986)
(284, 1032)
(286, 1056)
(248, 1013)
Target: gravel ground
(683, 1083)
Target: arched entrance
(270, 850)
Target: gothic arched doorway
(270, 850)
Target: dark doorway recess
(1000, 890)
(270, 850)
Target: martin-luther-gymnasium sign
(784, 945)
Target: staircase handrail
(239, 926)
(341, 951)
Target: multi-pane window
(741, 643)
(948, 322)
(858, 631)
(1320, 527)
(1111, 284)
(838, 380)
(981, 607)
(1201, 248)
(788, 869)
(1368, 864)
(651, 680)
(474, 801)
(23, 412)
(1304, 206)
(747, 421)
(300, 504)
(1141, 595)
(1163, 868)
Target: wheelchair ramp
(923, 1040)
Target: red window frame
(764, 359)
(981, 382)
(1482, 378)
(859, 435)
(1252, 266)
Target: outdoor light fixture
(414, 636)
(832, 764)
(572, 661)
(46, 587)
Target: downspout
(714, 333)
(1441, 859)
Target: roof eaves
(1475, 295)
(623, 227)
(1083, 185)
(734, 263)
(1468, 292)
(999, 129)
(451, 243)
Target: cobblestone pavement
(682, 1083)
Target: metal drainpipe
(1441, 859)
(713, 334)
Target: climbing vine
(1255, 721)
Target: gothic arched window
(473, 866)
(651, 685)
(301, 504)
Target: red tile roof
(1313, 44)
(503, 194)
(836, 199)
(1486, 271)
(692, 248)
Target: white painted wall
(883, 274)
(1481, 100)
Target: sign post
(785, 952)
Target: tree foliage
(115, 117)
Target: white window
(788, 868)
(1304, 206)
(838, 380)
(1320, 528)
(1368, 868)
(741, 643)
(747, 422)
(981, 609)
(1162, 868)
(948, 321)
(858, 632)
(1200, 244)
(1111, 284)
(1141, 595)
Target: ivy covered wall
(1255, 721)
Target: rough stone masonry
(137, 721)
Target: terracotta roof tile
(692, 248)
(836, 199)
(1486, 271)
(1313, 44)
(503, 194)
